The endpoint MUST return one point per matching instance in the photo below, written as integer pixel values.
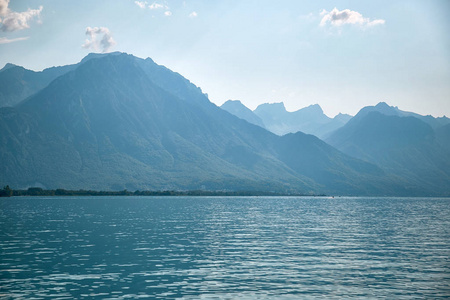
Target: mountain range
(412, 147)
(114, 121)
(275, 118)
(238, 109)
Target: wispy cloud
(339, 18)
(141, 4)
(161, 6)
(104, 43)
(155, 5)
(13, 21)
(4, 40)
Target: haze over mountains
(275, 118)
(402, 143)
(238, 109)
(412, 147)
(115, 121)
(17, 83)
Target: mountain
(119, 122)
(18, 83)
(443, 135)
(309, 120)
(337, 122)
(405, 146)
(387, 110)
(238, 109)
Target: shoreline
(7, 192)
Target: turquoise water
(224, 248)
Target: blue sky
(342, 55)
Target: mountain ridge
(235, 107)
(401, 144)
(111, 123)
(18, 83)
(388, 110)
(310, 119)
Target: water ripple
(224, 248)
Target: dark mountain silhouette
(119, 122)
(238, 109)
(309, 120)
(405, 146)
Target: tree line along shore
(37, 191)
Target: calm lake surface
(224, 248)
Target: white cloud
(153, 6)
(105, 43)
(141, 4)
(193, 14)
(157, 6)
(3, 7)
(376, 22)
(4, 40)
(13, 21)
(338, 18)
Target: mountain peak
(382, 105)
(276, 106)
(343, 117)
(385, 108)
(228, 102)
(314, 108)
(233, 106)
(238, 109)
(8, 66)
(99, 55)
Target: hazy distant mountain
(387, 110)
(337, 122)
(116, 121)
(17, 83)
(238, 109)
(405, 146)
(310, 119)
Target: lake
(224, 247)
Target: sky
(343, 55)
